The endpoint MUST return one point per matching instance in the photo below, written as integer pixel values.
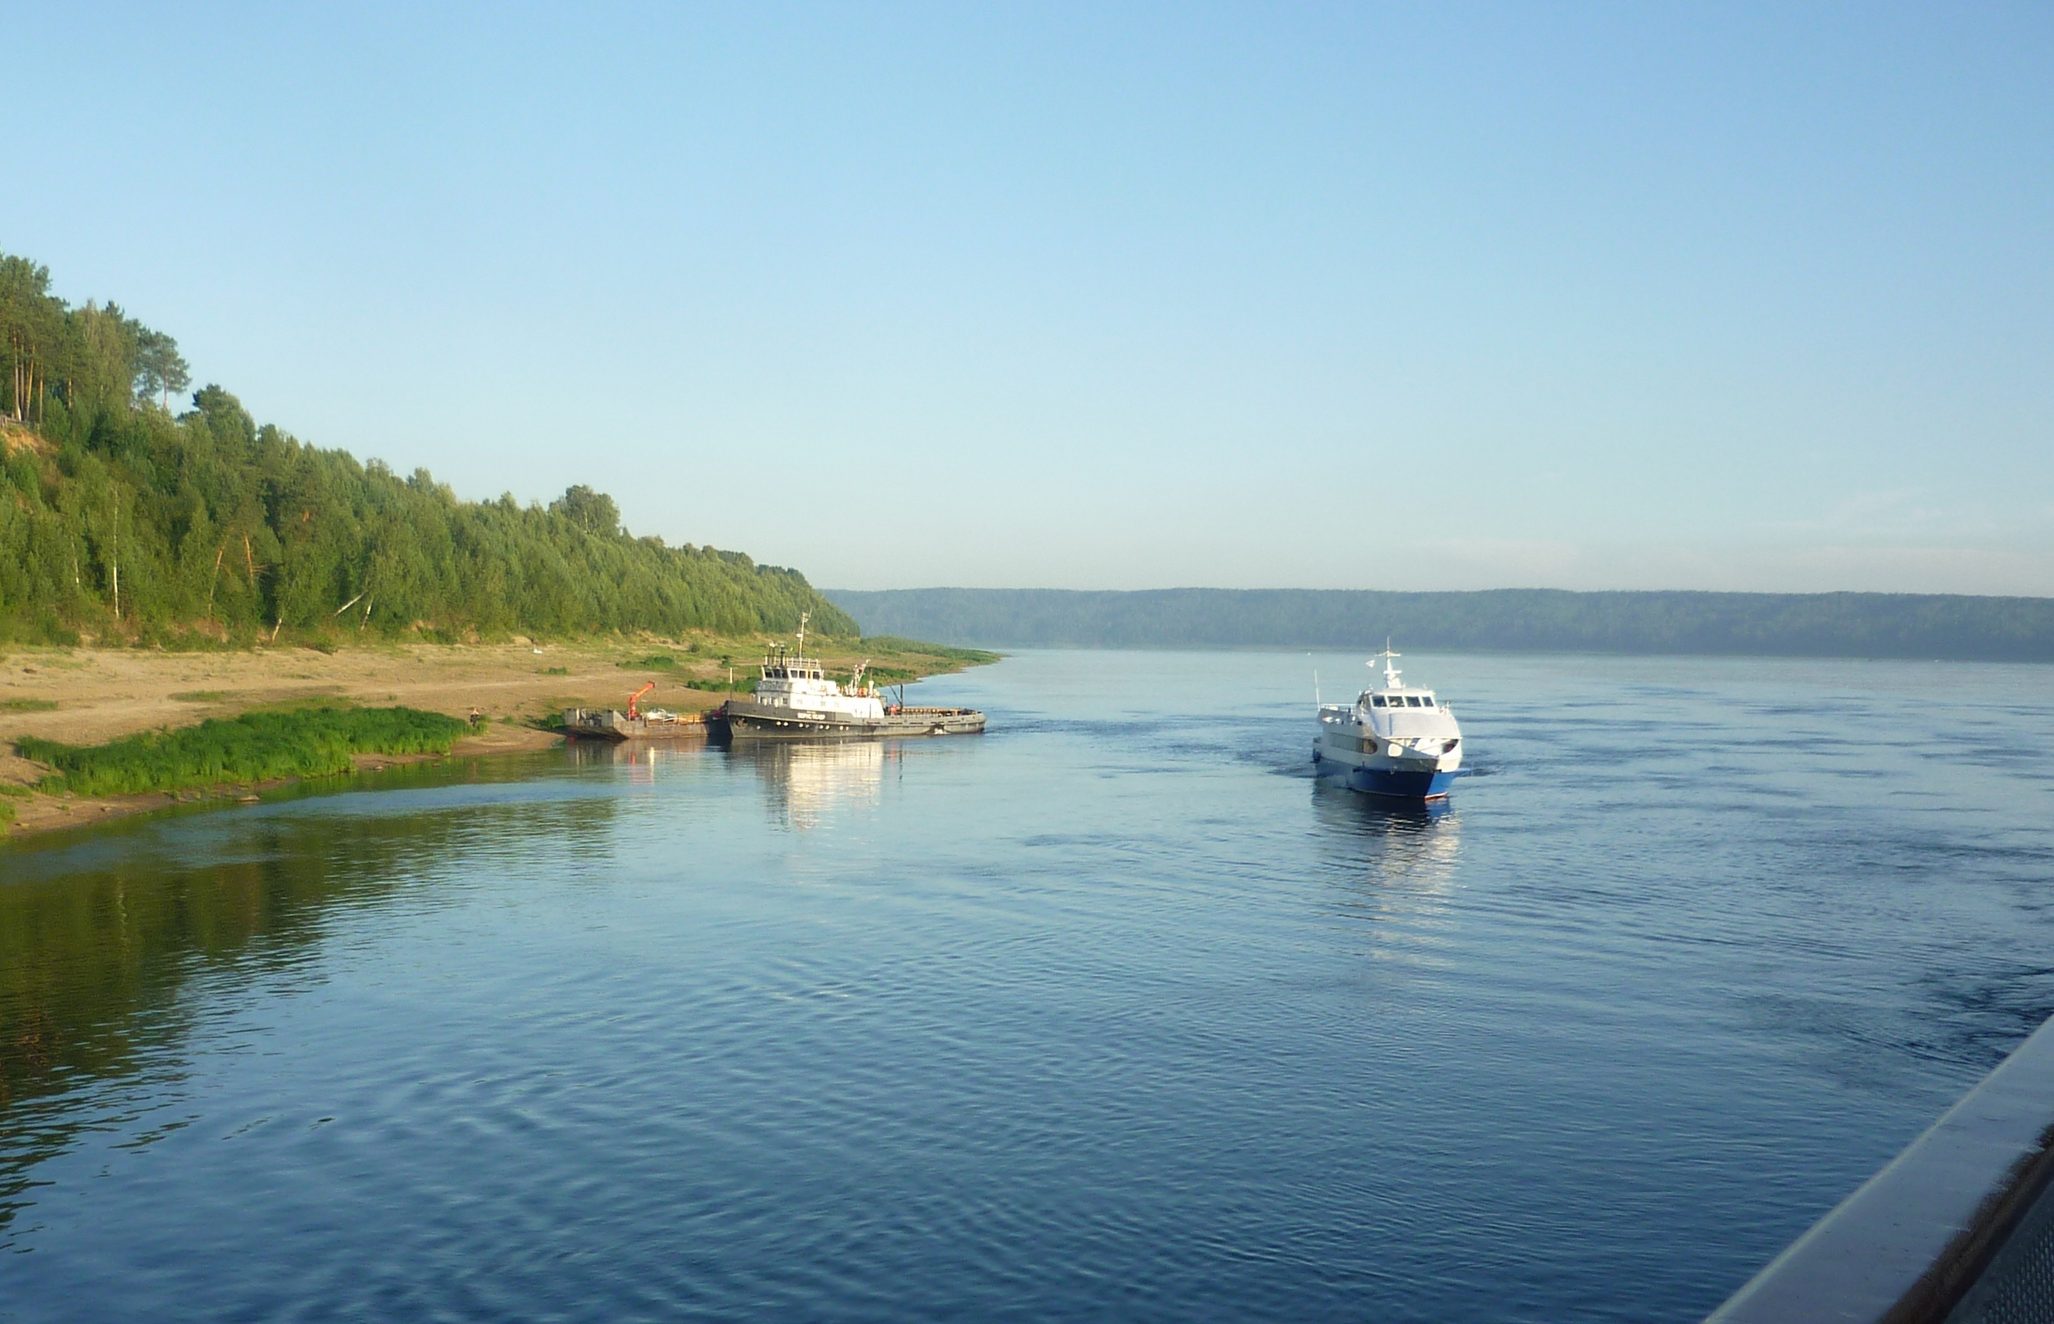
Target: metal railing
(1958, 1229)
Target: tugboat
(1396, 742)
(795, 699)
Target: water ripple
(1107, 1014)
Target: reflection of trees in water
(806, 780)
(94, 959)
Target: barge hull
(612, 724)
(753, 721)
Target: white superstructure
(1393, 741)
(795, 682)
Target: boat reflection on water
(644, 759)
(1401, 860)
(804, 781)
(808, 780)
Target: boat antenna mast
(804, 616)
(1390, 658)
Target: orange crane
(632, 714)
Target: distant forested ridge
(1763, 624)
(119, 519)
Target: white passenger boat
(795, 699)
(1396, 741)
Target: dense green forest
(1761, 624)
(124, 521)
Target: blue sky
(1113, 296)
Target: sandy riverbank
(87, 696)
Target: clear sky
(1361, 295)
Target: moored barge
(635, 723)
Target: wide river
(1114, 1012)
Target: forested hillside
(123, 520)
(1763, 624)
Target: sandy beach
(86, 696)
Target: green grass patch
(16, 789)
(658, 661)
(200, 696)
(555, 671)
(28, 705)
(255, 747)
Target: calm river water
(1112, 1013)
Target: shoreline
(89, 696)
(40, 814)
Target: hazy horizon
(1381, 588)
(1754, 298)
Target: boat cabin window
(1376, 700)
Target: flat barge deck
(743, 719)
(613, 724)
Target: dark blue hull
(1401, 785)
(1393, 785)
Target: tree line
(121, 519)
(65, 362)
(1886, 625)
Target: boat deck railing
(1958, 1229)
